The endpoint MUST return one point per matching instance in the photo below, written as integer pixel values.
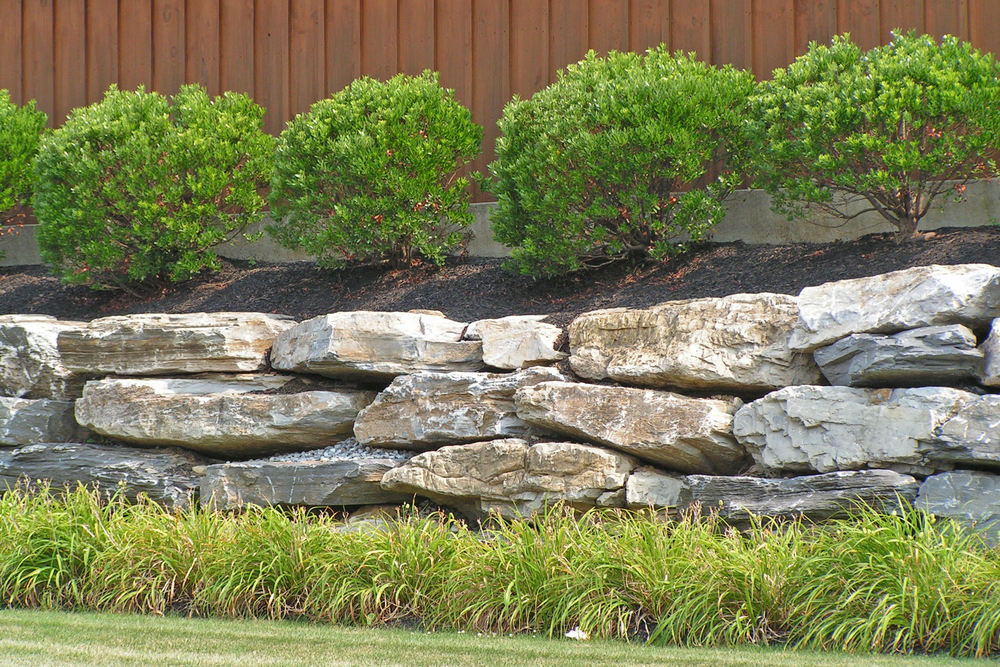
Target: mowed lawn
(39, 639)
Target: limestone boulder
(167, 475)
(511, 476)
(737, 343)
(376, 346)
(426, 410)
(30, 363)
(159, 344)
(938, 355)
(923, 296)
(649, 487)
(228, 417)
(972, 498)
(692, 435)
(27, 422)
(516, 342)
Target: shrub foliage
(888, 130)
(135, 188)
(591, 169)
(20, 131)
(371, 173)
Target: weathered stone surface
(736, 499)
(693, 435)
(426, 410)
(30, 363)
(374, 345)
(27, 422)
(924, 296)
(970, 497)
(306, 483)
(822, 429)
(512, 477)
(218, 416)
(157, 344)
(168, 476)
(516, 342)
(734, 343)
(919, 357)
(989, 374)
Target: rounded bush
(887, 130)
(612, 160)
(20, 131)
(135, 188)
(371, 173)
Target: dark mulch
(466, 290)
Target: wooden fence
(290, 53)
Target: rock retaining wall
(875, 390)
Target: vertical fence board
(861, 19)
(416, 36)
(306, 56)
(236, 62)
(491, 64)
(984, 17)
(529, 47)
(691, 27)
(379, 38)
(343, 43)
(569, 32)
(772, 46)
(135, 44)
(904, 15)
(271, 62)
(70, 57)
(38, 56)
(102, 47)
(168, 45)
(815, 21)
(453, 26)
(202, 44)
(608, 25)
(947, 17)
(648, 23)
(732, 29)
(11, 75)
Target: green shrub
(20, 130)
(136, 188)
(887, 131)
(370, 173)
(591, 169)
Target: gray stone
(923, 296)
(649, 487)
(736, 343)
(167, 476)
(28, 422)
(30, 363)
(516, 342)
(937, 355)
(376, 346)
(159, 344)
(972, 498)
(303, 483)
(219, 416)
(989, 374)
(686, 434)
(426, 410)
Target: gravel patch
(348, 449)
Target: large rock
(426, 410)
(27, 422)
(222, 417)
(376, 346)
(30, 363)
(158, 344)
(735, 343)
(737, 499)
(970, 497)
(822, 429)
(168, 476)
(693, 435)
(516, 342)
(916, 358)
(512, 477)
(924, 296)
(298, 483)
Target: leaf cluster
(138, 188)
(372, 173)
(20, 131)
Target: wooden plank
(861, 19)
(453, 28)
(904, 15)
(529, 47)
(569, 33)
(236, 59)
(343, 43)
(732, 33)
(202, 44)
(648, 24)
(271, 62)
(416, 36)
(491, 74)
(10, 49)
(379, 38)
(691, 28)
(306, 57)
(947, 17)
(70, 57)
(984, 17)
(815, 21)
(39, 56)
(168, 45)
(135, 44)
(773, 35)
(608, 25)
(102, 47)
